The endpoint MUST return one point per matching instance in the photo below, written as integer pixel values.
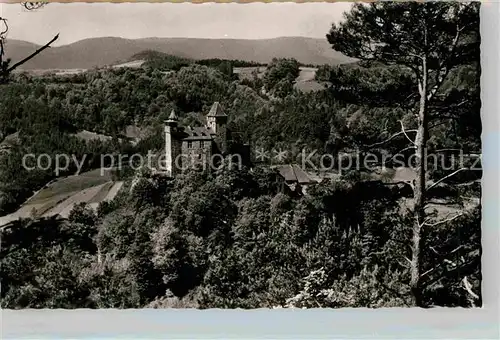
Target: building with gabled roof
(189, 146)
(291, 176)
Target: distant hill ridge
(99, 52)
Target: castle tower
(217, 122)
(171, 144)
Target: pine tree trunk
(419, 191)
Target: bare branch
(468, 183)
(404, 132)
(442, 221)
(444, 150)
(467, 267)
(444, 261)
(446, 108)
(429, 271)
(468, 288)
(47, 45)
(6, 29)
(445, 178)
(401, 264)
(447, 254)
(436, 267)
(407, 259)
(437, 124)
(434, 250)
(3, 34)
(408, 102)
(391, 138)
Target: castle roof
(197, 133)
(216, 111)
(173, 116)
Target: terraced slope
(60, 196)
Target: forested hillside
(99, 52)
(229, 238)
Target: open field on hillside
(132, 133)
(89, 135)
(131, 64)
(305, 82)
(71, 184)
(248, 72)
(60, 196)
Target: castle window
(190, 145)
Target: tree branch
(442, 221)
(468, 183)
(466, 267)
(402, 265)
(6, 27)
(391, 138)
(444, 261)
(437, 124)
(407, 259)
(449, 107)
(440, 78)
(47, 45)
(447, 254)
(2, 38)
(429, 271)
(445, 177)
(404, 132)
(468, 288)
(444, 150)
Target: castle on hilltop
(187, 147)
(190, 147)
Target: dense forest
(229, 238)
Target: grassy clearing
(102, 193)
(130, 64)
(51, 203)
(71, 184)
(247, 72)
(307, 74)
(113, 191)
(63, 202)
(309, 86)
(83, 197)
(89, 136)
(65, 206)
(61, 195)
(306, 82)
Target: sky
(77, 21)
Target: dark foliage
(230, 238)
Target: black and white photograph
(240, 156)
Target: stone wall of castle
(196, 152)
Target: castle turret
(171, 143)
(217, 122)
